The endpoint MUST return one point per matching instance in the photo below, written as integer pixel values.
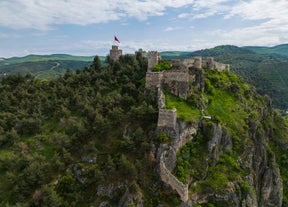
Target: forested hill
(264, 67)
(44, 66)
(88, 138)
(63, 138)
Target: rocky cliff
(229, 162)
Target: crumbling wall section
(169, 178)
(176, 82)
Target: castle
(178, 81)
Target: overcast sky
(87, 27)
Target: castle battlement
(153, 59)
(178, 79)
(115, 53)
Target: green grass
(184, 111)
(226, 108)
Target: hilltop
(264, 67)
(94, 138)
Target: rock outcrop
(264, 183)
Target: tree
(96, 66)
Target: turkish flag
(116, 39)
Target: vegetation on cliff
(263, 67)
(87, 138)
(216, 161)
(163, 65)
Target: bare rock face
(263, 179)
(220, 142)
(131, 199)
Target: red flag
(116, 39)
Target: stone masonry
(115, 53)
(153, 59)
(177, 80)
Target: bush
(164, 65)
(163, 138)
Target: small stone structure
(167, 118)
(115, 53)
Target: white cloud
(202, 9)
(260, 9)
(42, 14)
(184, 15)
(272, 25)
(169, 29)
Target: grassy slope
(234, 110)
(267, 72)
(185, 111)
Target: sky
(87, 27)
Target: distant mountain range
(264, 67)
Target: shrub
(164, 65)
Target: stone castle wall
(176, 75)
(171, 180)
(221, 67)
(176, 82)
(167, 118)
(153, 79)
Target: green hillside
(281, 50)
(267, 72)
(43, 69)
(44, 66)
(88, 138)
(173, 54)
(38, 58)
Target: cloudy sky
(87, 27)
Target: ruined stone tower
(198, 62)
(115, 53)
(153, 59)
(141, 52)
